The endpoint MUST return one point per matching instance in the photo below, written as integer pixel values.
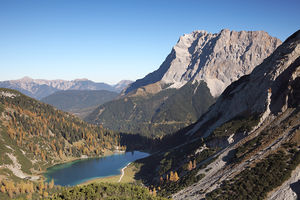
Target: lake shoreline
(93, 180)
(122, 172)
(114, 178)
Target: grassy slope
(129, 177)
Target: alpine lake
(79, 171)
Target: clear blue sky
(110, 40)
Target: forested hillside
(35, 135)
(79, 102)
(107, 191)
(155, 115)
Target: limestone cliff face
(272, 92)
(269, 89)
(217, 59)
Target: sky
(111, 40)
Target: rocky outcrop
(122, 85)
(217, 59)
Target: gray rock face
(122, 85)
(271, 91)
(263, 91)
(217, 59)
(40, 88)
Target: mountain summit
(217, 59)
(198, 69)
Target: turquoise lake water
(79, 171)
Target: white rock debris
(8, 94)
(15, 168)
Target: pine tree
(171, 176)
(10, 193)
(30, 188)
(60, 153)
(154, 192)
(22, 187)
(41, 186)
(161, 179)
(29, 196)
(45, 194)
(51, 184)
(2, 189)
(176, 177)
(190, 166)
(43, 156)
(194, 164)
(9, 186)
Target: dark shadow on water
(296, 188)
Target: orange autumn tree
(190, 166)
(174, 176)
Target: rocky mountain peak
(122, 84)
(185, 41)
(268, 90)
(26, 79)
(217, 59)
(81, 79)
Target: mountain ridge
(199, 62)
(40, 88)
(197, 55)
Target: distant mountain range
(40, 88)
(198, 69)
